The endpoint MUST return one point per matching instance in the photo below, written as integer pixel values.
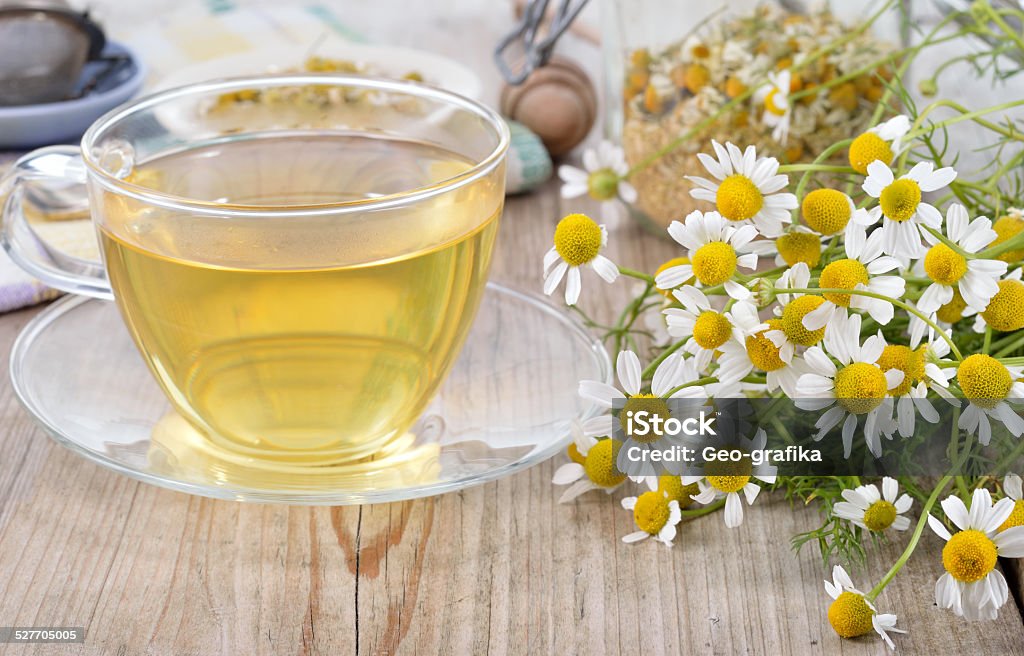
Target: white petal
(599, 392)
(555, 277)
(956, 511)
(889, 489)
(636, 536)
(572, 286)
(937, 179)
(1010, 542)
(576, 489)
(605, 268)
(938, 528)
(733, 510)
(627, 367)
(570, 472)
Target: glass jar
(672, 69)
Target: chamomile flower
(578, 243)
(793, 307)
(1005, 310)
(851, 614)
(708, 329)
(738, 359)
(796, 245)
(900, 206)
(602, 177)
(988, 384)
(827, 211)
(976, 279)
(858, 387)
(1012, 488)
(729, 478)
(1007, 227)
(972, 587)
(655, 515)
(670, 374)
(715, 250)
(860, 270)
(747, 188)
(777, 109)
(882, 143)
(874, 511)
(592, 467)
(920, 374)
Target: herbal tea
(313, 338)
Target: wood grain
(500, 568)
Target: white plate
(384, 61)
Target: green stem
(706, 510)
(817, 168)
(653, 366)
(632, 273)
(900, 304)
(695, 383)
(824, 156)
(914, 539)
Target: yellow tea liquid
(310, 339)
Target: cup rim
(182, 203)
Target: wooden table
(500, 568)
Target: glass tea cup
(298, 258)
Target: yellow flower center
(728, 475)
(600, 463)
(867, 148)
(899, 200)
(673, 488)
(578, 239)
(1008, 227)
(762, 353)
(793, 320)
(842, 274)
(850, 615)
(711, 330)
(674, 262)
(739, 198)
(826, 210)
(655, 406)
(907, 360)
(1005, 312)
(651, 512)
(714, 263)
(1016, 517)
(984, 380)
(944, 265)
(603, 184)
(954, 310)
(969, 556)
(574, 454)
(695, 77)
(860, 387)
(773, 103)
(799, 247)
(880, 515)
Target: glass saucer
(506, 405)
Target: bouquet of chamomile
(877, 289)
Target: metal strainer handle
(532, 47)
